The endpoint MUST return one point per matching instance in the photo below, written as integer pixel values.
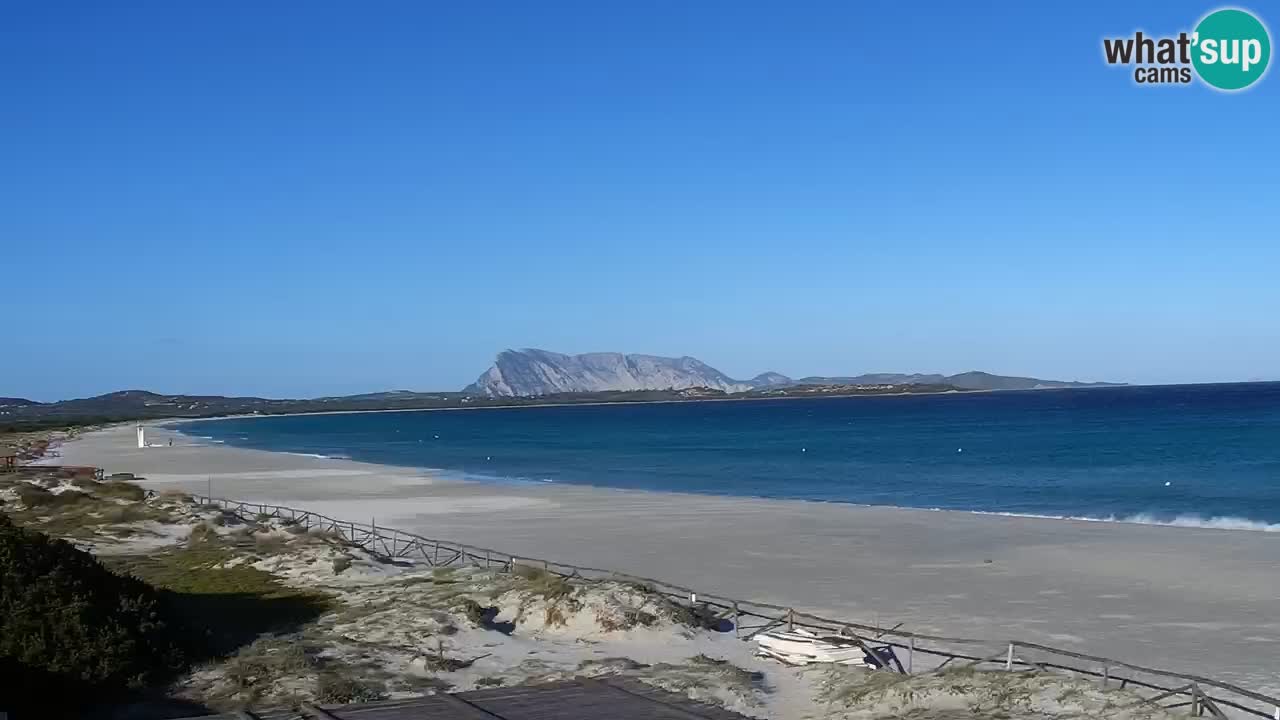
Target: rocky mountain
(532, 372)
(540, 372)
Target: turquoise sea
(1202, 455)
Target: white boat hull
(801, 647)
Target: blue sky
(307, 198)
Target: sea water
(1195, 455)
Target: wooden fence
(1169, 689)
(64, 471)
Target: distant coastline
(598, 403)
(521, 378)
(27, 418)
(144, 406)
(534, 405)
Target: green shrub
(202, 534)
(540, 582)
(338, 688)
(70, 630)
(267, 660)
(176, 496)
(120, 491)
(472, 611)
(34, 496)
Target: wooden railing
(1172, 690)
(57, 470)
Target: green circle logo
(1232, 49)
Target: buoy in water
(1167, 483)
(959, 449)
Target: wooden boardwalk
(581, 699)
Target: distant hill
(142, 405)
(533, 372)
(770, 379)
(973, 380)
(6, 402)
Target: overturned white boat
(802, 647)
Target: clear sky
(301, 198)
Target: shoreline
(1139, 592)
(1223, 523)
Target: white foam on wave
(1184, 521)
(317, 456)
(201, 439)
(445, 474)
(1218, 523)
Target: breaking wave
(1184, 521)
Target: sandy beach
(1195, 600)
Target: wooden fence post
(791, 619)
(1106, 675)
(911, 653)
(737, 617)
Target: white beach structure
(142, 437)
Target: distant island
(533, 372)
(518, 378)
